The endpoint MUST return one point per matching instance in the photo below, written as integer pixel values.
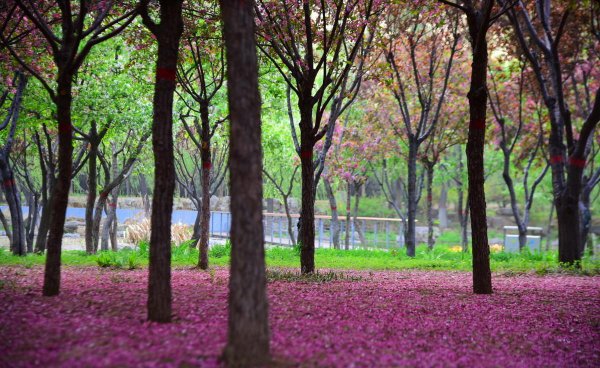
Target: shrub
(220, 251)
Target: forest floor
(348, 318)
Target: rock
(72, 226)
(504, 212)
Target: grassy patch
(440, 258)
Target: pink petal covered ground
(423, 319)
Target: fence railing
(364, 233)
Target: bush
(220, 251)
(119, 260)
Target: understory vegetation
(440, 258)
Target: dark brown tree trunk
(168, 33)
(335, 222)
(410, 231)
(478, 25)
(307, 212)
(91, 188)
(348, 219)
(248, 326)
(442, 207)
(206, 168)
(430, 238)
(59, 199)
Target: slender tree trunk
(5, 225)
(335, 222)
(290, 222)
(248, 325)
(443, 207)
(168, 33)
(13, 200)
(482, 277)
(91, 188)
(464, 226)
(60, 192)
(206, 168)
(196, 229)
(586, 216)
(410, 231)
(357, 194)
(430, 237)
(348, 220)
(549, 227)
(145, 195)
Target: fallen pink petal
(407, 318)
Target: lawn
(440, 258)
(356, 318)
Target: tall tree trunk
(5, 225)
(410, 231)
(59, 199)
(248, 325)
(145, 195)
(290, 223)
(430, 238)
(348, 219)
(91, 188)
(478, 25)
(306, 233)
(168, 33)
(335, 222)
(206, 167)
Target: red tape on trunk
(306, 154)
(334, 208)
(478, 124)
(113, 205)
(65, 129)
(8, 183)
(207, 165)
(166, 74)
(577, 162)
(556, 159)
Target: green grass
(441, 258)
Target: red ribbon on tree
(334, 208)
(113, 205)
(8, 183)
(306, 154)
(577, 162)
(557, 159)
(65, 128)
(207, 165)
(477, 124)
(167, 74)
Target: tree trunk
(145, 195)
(482, 277)
(357, 194)
(348, 220)
(206, 168)
(290, 223)
(335, 222)
(430, 238)
(248, 324)
(91, 188)
(59, 199)
(168, 33)
(11, 194)
(5, 225)
(410, 231)
(443, 207)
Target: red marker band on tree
(166, 74)
(306, 154)
(334, 208)
(8, 183)
(65, 128)
(556, 159)
(577, 162)
(207, 165)
(113, 205)
(477, 124)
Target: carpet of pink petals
(407, 319)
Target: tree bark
(410, 231)
(443, 207)
(248, 325)
(335, 222)
(348, 219)
(430, 238)
(168, 33)
(206, 168)
(478, 24)
(92, 183)
(59, 199)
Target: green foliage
(220, 251)
(317, 277)
(124, 259)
